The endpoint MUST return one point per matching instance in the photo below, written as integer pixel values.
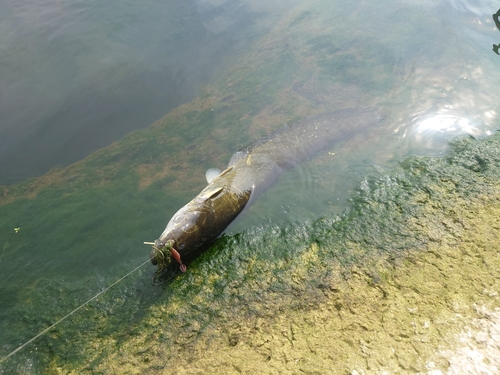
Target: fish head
(192, 227)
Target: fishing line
(71, 313)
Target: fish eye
(181, 246)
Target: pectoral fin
(210, 192)
(211, 174)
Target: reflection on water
(76, 76)
(497, 24)
(430, 133)
(426, 65)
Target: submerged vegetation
(417, 247)
(417, 237)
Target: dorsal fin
(211, 174)
(236, 158)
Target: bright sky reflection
(453, 124)
(429, 133)
(446, 123)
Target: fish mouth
(160, 254)
(152, 257)
(158, 245)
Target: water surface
(75, 76)
(89, 73)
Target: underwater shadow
(497, 24)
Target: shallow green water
(84, 229)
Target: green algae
(237, 294)
(356, 273)
(366, 275)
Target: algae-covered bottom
(301, 297)
(391, 285)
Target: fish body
(250, 173)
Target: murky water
(76, 76)
(427, 65)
